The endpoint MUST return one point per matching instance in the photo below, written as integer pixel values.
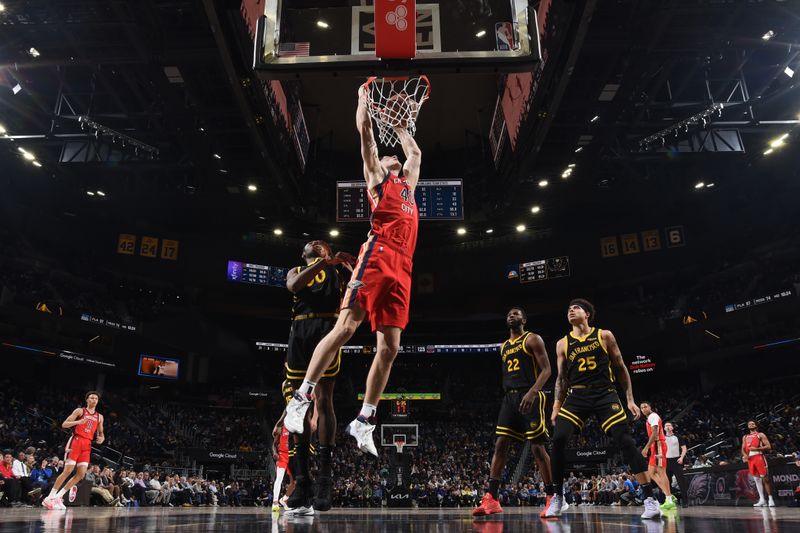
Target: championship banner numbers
(169, 249)
(126, 244)
(149, 247)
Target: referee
(676, 452)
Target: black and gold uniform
(519, 374)
(315, 309)
(591, 383)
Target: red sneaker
(546, 506)
(488, 506)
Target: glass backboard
(300, 37)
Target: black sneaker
(301, 497)
(323, 493)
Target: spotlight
(252, 188)
(768, 151)
(29, 156)
(708, 185)
(322, 24)
(789, 72)
(520, 228)
(535, 209)
(769, 35)
(490, 230)
(699, 185)
(579, 149)
(90, 193)
(461, 231)
(37, 164)
(277, 231)
(780, 141)
(334, 233)
(16, 88)
(571, 165)
(34, 52)
(2, 7)
(3, 130)
(544, 183)
(595, 118)
(22, 150)
(100, 193)
(216, 156)
(480, 33)
(566, 173)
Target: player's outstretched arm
(373, 172)
(413, 156)
(74, 419)
(561, 379)
(621, 371)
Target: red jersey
(87, 430)
(283, 443)
(752, 440)
(395, 217)
(653, 420)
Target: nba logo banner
(395, 29)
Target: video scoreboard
(542, 269)
(435, 199)
(255, 274)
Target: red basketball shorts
(283, 462)
(757, 465)
(78, 451)
(658, 454)
(381, 285)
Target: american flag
(294, 49)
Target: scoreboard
(554, 267)
(255, 274)
(408, 349)
(436, 200)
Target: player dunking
(380, 288)
(525, 369)
(656, 448)
(86, 422)
(754, 444)
(588, 359)
(317, 288)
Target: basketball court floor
(581, 520)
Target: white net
(395, 103)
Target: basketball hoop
(399, 444)
(395, 103)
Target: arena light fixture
(216, 156)
(16, 88)
(323, 24)
(543, 183)
(566, 173)
(36, 164)
(699, 185)
(480, 33)
(2, 7)
(252, 187)
(29, 156)
(709, 185)
(571, 165)
(277, 231)
(535, 209)
(789, 72)
(490, 231)
(769, 35)
(768, 151)
(100, 193)
(90, 193)
(22, 150)
(579, 149)
(3, 130)
(595, 118)
(34, 52)
(334, 233)
(520, 228)
(461, 231)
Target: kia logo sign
(400, 496)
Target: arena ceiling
(174, 75)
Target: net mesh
(395, 103)
(399, 445)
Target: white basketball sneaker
(296, 412)
(760, 503)
(651, 509)
(362, 432)
(556, 505)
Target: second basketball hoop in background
(395, 103)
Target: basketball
(400, 110)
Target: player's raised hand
(362, 94)
(634, 409)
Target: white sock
(276, 488)
(52, 493)
(60, 493)
(307, 387)
(760, 488)
(368, 410)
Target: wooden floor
(579, 520)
